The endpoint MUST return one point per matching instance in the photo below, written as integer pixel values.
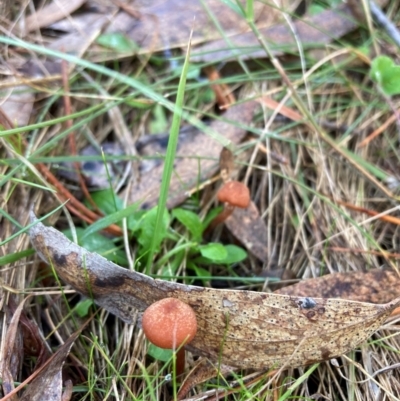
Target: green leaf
(235, 255)
(146, 229)
(82, 307)
(107, 201)
(100, 244)
(117, 41)
(160, 354)
(213, 251)
(387, 74)
(191, 221)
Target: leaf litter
(235, 327)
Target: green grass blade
(6, 259)
(169, 158)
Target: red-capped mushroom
(232, 194)
(170, 324)
(235, 194)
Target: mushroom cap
(169, 323)
(235, 193)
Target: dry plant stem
(226, 164)
(223, 94)
(71, 136)
(314, 126)
(37, 372)
(382, 20)
(224, 393)
(377, 253)
(379, 130)
(284, 110)
(128, 9)
(389, 219)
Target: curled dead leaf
(237, 328)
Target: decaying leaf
(375, 286)
(250, 229)
(51, 13)
(166, 24)
(314, 31)
(47, 384)
(17, 104)
(235, 327)
(12, 351)
(33, 342)
(197, 158)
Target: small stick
(382, 20)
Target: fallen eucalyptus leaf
(237, 328)
(375, 286)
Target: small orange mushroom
(234, 193)
(170, 324)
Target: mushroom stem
(228, 210)
(180, 362)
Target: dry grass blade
(237, 328)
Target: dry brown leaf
(51, 13)
(375, 286)
(197, 158)
(47, 384)
(157, 29)
(250, 229)
(33, 342)
(17, 104)
(12, 352)
(236, 328)
(314, 31)
(166, 24)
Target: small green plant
(206, 254)
(141, 226)
(386, 74)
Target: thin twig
(383, 21)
